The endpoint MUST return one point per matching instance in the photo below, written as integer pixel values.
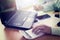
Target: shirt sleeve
(55, 30)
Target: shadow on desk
(45, 37)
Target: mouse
(58, 24)
(57, 15)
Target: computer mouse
(57, 15)
(58, 24)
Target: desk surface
(45, 37)
(52, 24)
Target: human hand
(42, 29)
(38, 8)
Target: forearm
(12, 34)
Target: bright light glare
(17, 3)
(24, 3)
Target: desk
(45, 37)
(12, 33)
(48, 37)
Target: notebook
(21, 20)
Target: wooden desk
(45, 37)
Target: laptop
(22, 20)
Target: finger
(42, 28)
(36, 29)
(38, 32)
